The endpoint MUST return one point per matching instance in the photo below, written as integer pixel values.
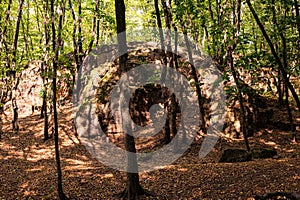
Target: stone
(263, 153)
(235, 155)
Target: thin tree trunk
(297, 16)
(161, 34)
(55, 49)
(94, 27)
(167, 132)
(172, 59)
(197, 83)
(6, 20)
(285, 64)
(3, 37)
(98, 29)
(175, 59)
(168, 33)
(80, 39)
(298, 26)
(230, 51)
(241, 102)
(133, 188)
(45, 72)
(214, 24)
(290, 114)
(75, 44)
(14, 63)
(276, 27)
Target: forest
(150, 99)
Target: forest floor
(28, 168)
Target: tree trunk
(197, 83)
(285, 65)
(161, 34)
(44, 113)
(94, 27)
(80, 39)
(133, 188)
(167, 132)
(75, 43)
(121, 28)
(168, 21)
(55, 48)
(241, 102)
(230, 50)
(298, 26)
(14, 63)
(297, 15)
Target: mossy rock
(235, 155)
(263, 153)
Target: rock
(263, 153)
(235, 155)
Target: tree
(133, 188)
(44, 69)
(14, 64)
(230, 52)
(55, 49)
(278, 61)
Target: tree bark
(121, 28)
(55, 49)
(297, 16)
(278, 85)
(230, 51)
(44, 113)
(298, 26)
(133, 188)
(14, 63)
(161, 34)
(197, 83)
(94, 27)
(80, 40)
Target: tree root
(128, 195)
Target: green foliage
(41, 92)
(210, 23)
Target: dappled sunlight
(27, 192)
(104, 176)
(270, 143)
(169, 167)
(30, 193)
(72, 142)
(182, 169)
(40, 154)
(296, 177)
(36, 169)
(15, 154)
(76, 162)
